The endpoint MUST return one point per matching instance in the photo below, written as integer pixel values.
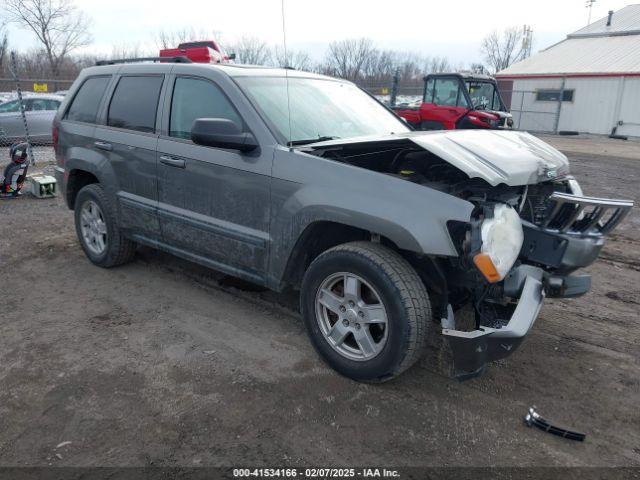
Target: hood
(497, 156)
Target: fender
(87, 159)
(412, 216)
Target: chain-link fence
(404, 93)
(27, 109)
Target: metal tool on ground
(533, 418)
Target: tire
(385, 278)
(117, 249)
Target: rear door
(444, 103)
(214, 203)
(127, 138)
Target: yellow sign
(40, 87)
(384, 91)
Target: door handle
(103, 146)
(173, 162)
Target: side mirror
(222, 133)
(232, 56)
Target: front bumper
(571, 237)
(473, 350)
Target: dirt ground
(161, 362)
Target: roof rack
(144, 59)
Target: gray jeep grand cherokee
(287, 178)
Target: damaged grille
(585, 216)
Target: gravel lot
(161, 362)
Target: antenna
(286, 72)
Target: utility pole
(394, 87)
(527, 40)
(589, 5)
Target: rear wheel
(366, 311)
(97, 229)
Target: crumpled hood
(497, 156)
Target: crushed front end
(521, 246)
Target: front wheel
(366, 311)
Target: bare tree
(57, 24)
(501, 50)
(4, 43)
(298, 60)
(348, 58)
(124, 51)
(172, 38)
(251, 50)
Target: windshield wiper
(311, 140)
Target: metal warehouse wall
(630, 107)
(598, 104)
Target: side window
(195, 98)
(38, 105)
(497, 104)
(135, 103)
(10, 107)
(447, 93)
(428, 92)
(554, 95)
(84, 107)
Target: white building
(597, 72)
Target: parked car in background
(40, 111)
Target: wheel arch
(78, 178)
(318, 237)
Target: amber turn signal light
(487, 268)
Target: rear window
(84, 107)
(135, 103)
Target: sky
(451, 28)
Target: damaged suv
(289, 179)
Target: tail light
(55, 135)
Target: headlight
(502, 239)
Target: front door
(213, 203)
(445, 103)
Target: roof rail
(144, 59)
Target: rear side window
(84, 107)
(195, 98)
(135, 103)
(39, 105)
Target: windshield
(320, 109)
(484, 95)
